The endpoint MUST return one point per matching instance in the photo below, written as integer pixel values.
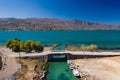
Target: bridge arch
(58, 57)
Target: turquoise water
(59, 71)
(102, 38)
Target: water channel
(59, 69)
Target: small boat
(69, 62)
(72, 66)
(75, 73)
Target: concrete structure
(43, 56)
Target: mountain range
(52, 24)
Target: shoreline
(99, 68)
(7, 52)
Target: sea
(105, 39)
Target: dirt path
(9, 67)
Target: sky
(100, 11)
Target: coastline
(11, 54)
(98, 68)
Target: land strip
(10, 53)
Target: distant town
(52, 24)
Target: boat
(75, 73)
(69, 62)
(72, 66)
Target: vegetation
(91, 47)
(29, 46)
(31, 69)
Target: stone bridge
(45, 56)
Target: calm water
(59, 71)
(101, 38)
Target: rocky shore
(0, 62)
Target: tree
(22, 46)
(8, 43)
(17, 46)
(38, 47)
(28, 47)
(14, 45)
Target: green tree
(38, 47)
(14, 45)
(28, 47)
(8, 43)
(17, 46)
(22, 47)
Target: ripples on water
(108, 39)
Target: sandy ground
(10, 66)
(100, 68)
(47, 48)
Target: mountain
(52, 24)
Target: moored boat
(72, 66)
(75, 73)
(69, 62)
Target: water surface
(103, 38)
(59, 71)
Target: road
(9, 53)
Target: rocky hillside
(52, 24)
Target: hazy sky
(102, 11)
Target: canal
(59, 69)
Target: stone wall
(88, 56)
(68, 56)
(43, 58)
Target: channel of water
(59, 69)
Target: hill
(52, 24)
